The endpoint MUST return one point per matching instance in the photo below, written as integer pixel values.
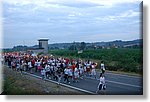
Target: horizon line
(71, 42)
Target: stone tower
(43, 44)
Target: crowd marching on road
(54, 68)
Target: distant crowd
(50, 67)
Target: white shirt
(81, 70)
(38, 63)
(42, 72)
(53, 64)
(29, 64)
(70, 72)
(102, 66)
(102, 80)
(80, 65)
(66, 71)
(93, 66)
(76, 71)
(18, 65)
(47, 68)
(84, 68)
(88, 65)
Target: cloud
(126, 15)
(70, 3)
(69, 20)
(111, 3)
(54, 3)
(129, 13)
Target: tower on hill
(43, 44)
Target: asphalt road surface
(117, 84)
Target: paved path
(117, 84)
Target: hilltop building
(41, 48)
(43, 44)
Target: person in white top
(81, 72)
(88, 68)
(102, 67)
(93, 72)
(36, 65)
(59, 74)
(18, 66)
(66, 72)
(76, 75)
(70, 73)
(39, 65)
(85, 71)
(102, 84)
(30, 66)
(1, 59)
(47, 69)
(43, 74)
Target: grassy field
(122, 59)
(17, 84)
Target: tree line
(121, 59)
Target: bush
(124, 59)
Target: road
(117, 84)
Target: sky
(26, 21)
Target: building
(43, 44)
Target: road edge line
(62, 84)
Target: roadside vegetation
(116, 59)
(16, 84)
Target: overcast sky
(25, 21)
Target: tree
(71, 47)
(82, 46)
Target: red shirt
(67, 60)
(73, 67)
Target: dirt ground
(16, 84)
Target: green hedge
(123, 59)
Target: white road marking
(89, 78)
(123, 84)
(62, 84)
(124, 75)
(79, 89)
(117, 82)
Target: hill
(118, 43)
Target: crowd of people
(50, 67)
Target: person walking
(102, 85)
(47, 69)
(59, 75)
(66, 72)
(93, 71)
(22, 67)
(102, 67)
(43, 74)
(18, 66)
(76, 75)
(30, 66)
